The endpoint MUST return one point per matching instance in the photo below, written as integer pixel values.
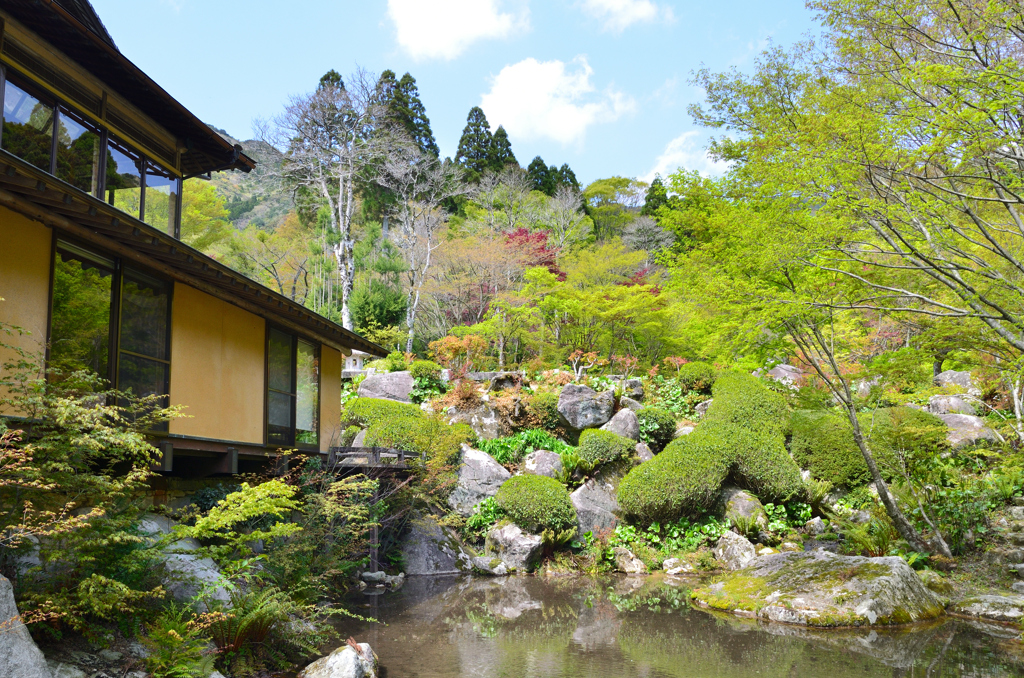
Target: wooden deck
(366, 459)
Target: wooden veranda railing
(384, 458)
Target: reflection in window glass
(161, 199)
(28, 127)
(78, 152)
(124, 179)
(143, 364)
(307, 394)
(80, 324)
(280, 385)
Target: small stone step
(1002, 556)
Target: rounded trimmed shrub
(544, 408)
(536, 503)
(425, 369)
(599, 447)
(697, 376)
(657, 426)
(367, 411)
(743, 399)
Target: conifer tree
(501, 150)
(474, 151)
(540, 176)
(657, 195)
(412, 115)
(566, 177)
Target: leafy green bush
(543, 407)
(823, 442)
(599, 447)
(697, 376)
(427, 377)
(396, 361)
(511, 449)
(536, 503)
(742, 436)
(380, 366)
(485, 515)
(425, 369)
(368, 411)
(657, 426)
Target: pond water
(636, 627)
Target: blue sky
(600, 84)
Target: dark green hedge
(367, 411)
(744, 439)
(536, 503)
(697, 376)
(658, 425)
(599, 447)
(823, 442)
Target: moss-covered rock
(599, 447)
(536, 503)
(818, 588)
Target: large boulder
(626, 562)
(187, 570)
(19, 655)
(503, 381)
(734, 551)
(633, 388)
(818, 588)
(580, 407)
(993, 608)
(544, 463)
(625, 423)
(597, 508)
(390, 386)
(517, 549)
(485, 421)
(949, 404)
(961, 379)
(345, 662)
(965, 430)
(429, 549)
(736, 503)
(627, 403)
(479, 477)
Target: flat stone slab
(1008, 609)
(818, 588)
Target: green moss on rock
(599, 447)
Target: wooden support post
(166, 463)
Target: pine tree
(501, 150)
(540, 174)
(331, 78)
(474, 151)
(657, 195)
(412, 115)
(566, 177)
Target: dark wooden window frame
(307, 447)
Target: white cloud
(683, 152)
(551, 100)
(618, 15)
(444, 29)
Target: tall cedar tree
(405, 110)
(566, 177)
(657, 195)
(501, 150)
(475, 145)
(547, 178)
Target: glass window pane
(80, 324)
(144, 377)
(124, 179)
(28, 127)
(78, 152)
(145, 303)
(161, 199)
(279, 361)
(307, 390)
(279, 418)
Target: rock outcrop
(485, 421)
(429, 549)
(644, 452)
(390, 386)
(479, 477)
(701, 408)
(1008, 609)
(734, 551)
(965, 430)
(543, 463)
(580, 407)
(628, 403)
(517, 549)
(626, 561)
(187, 571)
(625, 424)
(345, 662)
(949, 404)
(818, 588)
(597, 507)
(736, 503)
(19, 655)
(633, 388)
(962, 379)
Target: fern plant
(177, 646)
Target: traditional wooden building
(93, 154)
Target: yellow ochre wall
(217, 367)
(25, 248)
(331, 362)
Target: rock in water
(624, 423)
(479, 477)
(345, 662)
(19, 655)
(517, 549)
(430, 549)
(543, 463)
(818, 588)
(626, 562)
(580, 407)
(390, 386)
(734, 551)
(490, 565)
(677, 566)
(993, 608)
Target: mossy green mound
(818, 588)
(742, 437)
(823, 442)
(658, 424)
(368, 411)
(536, 503)
(599, 447)
(697, 376)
